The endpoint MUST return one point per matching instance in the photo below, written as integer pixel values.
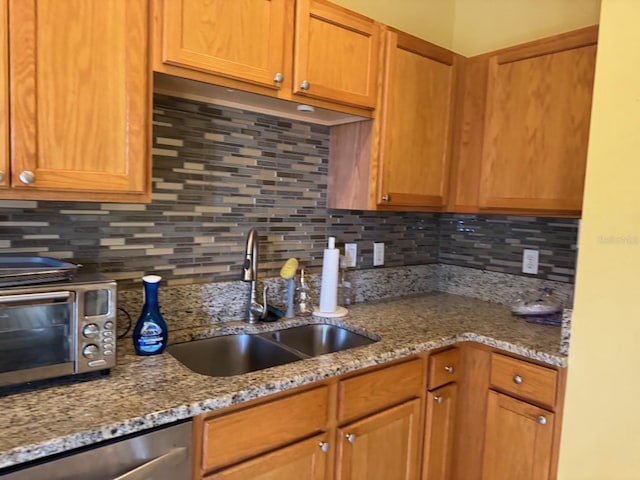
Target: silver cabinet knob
(324, 446)
(27, 177)
(1, 176)
(386, 198)
(351, 438)
(305, 85)
(542, 420)
(278, 78)
(439, 399)
(449, 369)
(517, 379)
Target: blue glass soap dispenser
(150, 334)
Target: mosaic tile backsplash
(217, 172)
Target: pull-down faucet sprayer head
(250, 266)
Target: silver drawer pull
(324, 446)
(351, 438)
(439, 399)
(542, 420)
(517, 379)
(449, 369)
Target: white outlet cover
(378, 254)
(351, 252)
(530, 261)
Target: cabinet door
(4, 99)
(80, 97)
(416, 123)
(243, 39)
(303, 460)
(518, 440)
(383, 446)
(336, 54)
(537, 126)
(439, 433)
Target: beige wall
(428, 19)
(471, 27)
(601, 429)
(485, 25)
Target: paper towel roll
(329, 284)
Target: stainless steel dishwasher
(162, 454)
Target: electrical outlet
(530, 261)
(378, 254)
(351, 252)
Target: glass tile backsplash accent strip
(495, 243)
(218, 171)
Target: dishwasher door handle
(146, 470)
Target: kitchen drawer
(525, 380)
(376, 390)
(444, 367)
(254, 430)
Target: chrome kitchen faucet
(256, 311)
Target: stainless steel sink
(242, 353)
(231, 355)
(319, 339)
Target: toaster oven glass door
(36, 336)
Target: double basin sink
(242, 353)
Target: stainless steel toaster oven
(57, 329)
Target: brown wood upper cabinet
(526, 126)
(285, 48)
(400, 160)
(80, 104)
(4, 96)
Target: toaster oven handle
(30, 298)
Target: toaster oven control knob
(90, 351)
(91, 330)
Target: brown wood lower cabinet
(306, 459)
(439, 432)
(509, 417)
(365, 425)
(383, 446)
(518, 440)
(477, 415)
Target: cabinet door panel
(243, 39)
(302, 460)
(382, 447)
(4, 98)
(417, 115)
(440, 429)
(537, 130)
(517, 440)
(336, 51)
(80, 103)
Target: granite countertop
(144, 392)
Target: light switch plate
(378, 254)
(351, 252)
(530, 261)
